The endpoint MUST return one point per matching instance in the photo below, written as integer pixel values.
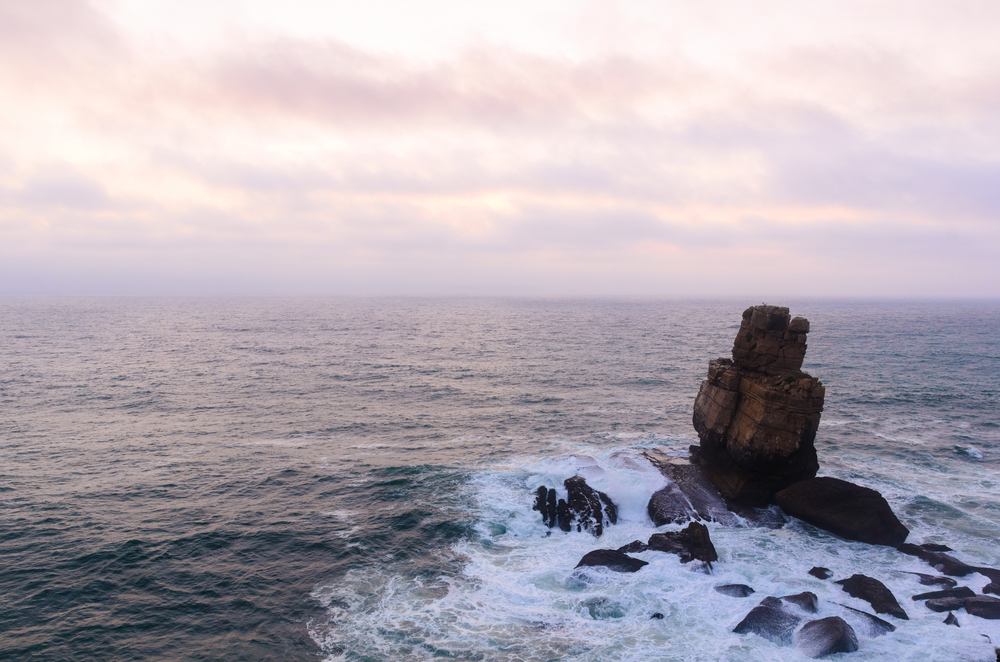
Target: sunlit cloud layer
(824, 149)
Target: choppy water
(350, 479)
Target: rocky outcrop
(611, 559)
(826, 636)
(874, 593)
(690, 543)
(757, 414)
(690, 495)
(847, 510)
(771, 620)
(585, 508)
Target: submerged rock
(658, 616)
(960, 592)
(757, 414)
(806, 601)
(771, 620)
(847, 510)
(821, 573)
(870, 625)
(735, 590)
(826, 636)
(611, 559)
(874, 593)
(691, 543)
(983, 606)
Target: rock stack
(757, 414)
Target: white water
(518, 597)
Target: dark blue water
(247, 478)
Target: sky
(542, 148)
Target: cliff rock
(756, 415)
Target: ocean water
(351, 479)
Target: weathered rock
(735, 590)
(847, 510)
(634, 547)
(611, 559)
(951, 619)
(691, 543)
(771, 620)
(826, 636)
(689, 496)
(757, 414)
(992, 587)
(874, 593)
(821, 573)
(806, 601)
(947, 564)
(585, 508)
(945, 604)
(983, 606)
(934, 580)
(868, 624)
(960, 592)
(770, 517)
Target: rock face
(847, 510)
(757, 414)
(826, 637)
(585, 508)
(875, 593)
(611, 559)
(691, 543)
(771, 620)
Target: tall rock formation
(757, 414)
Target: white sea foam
(518, 596)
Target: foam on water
(518, 597)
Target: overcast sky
(518, 148)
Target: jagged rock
(945, 604)
(847, 510)
(735, 590)
(771, 620)
(874, 593)
(611, 559)
(870, 625)
(757, 414)
(983, 606)
(805, 601)
(821, 573)
(826, 637)
(934, 580)
(951, 619)
(691, 543)
(585, 508)
(960, 592)
(634, 547)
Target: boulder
(657, 616)
(634, 547)
(868, 624)
(874, 593)
(947, 564)
(584, 508)
(821, 573)
(916, 550)
(669, 506)
(983, 606)
(845, 509)
(771, 620)
(960, 592)
(806, 601)
(688, 496)
(691, 543)
(945, 604)
(992, 587)
(826, 636)
(757, 414)
(735, 590)
(951, 619)
(611, 559)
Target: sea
(352, 478)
